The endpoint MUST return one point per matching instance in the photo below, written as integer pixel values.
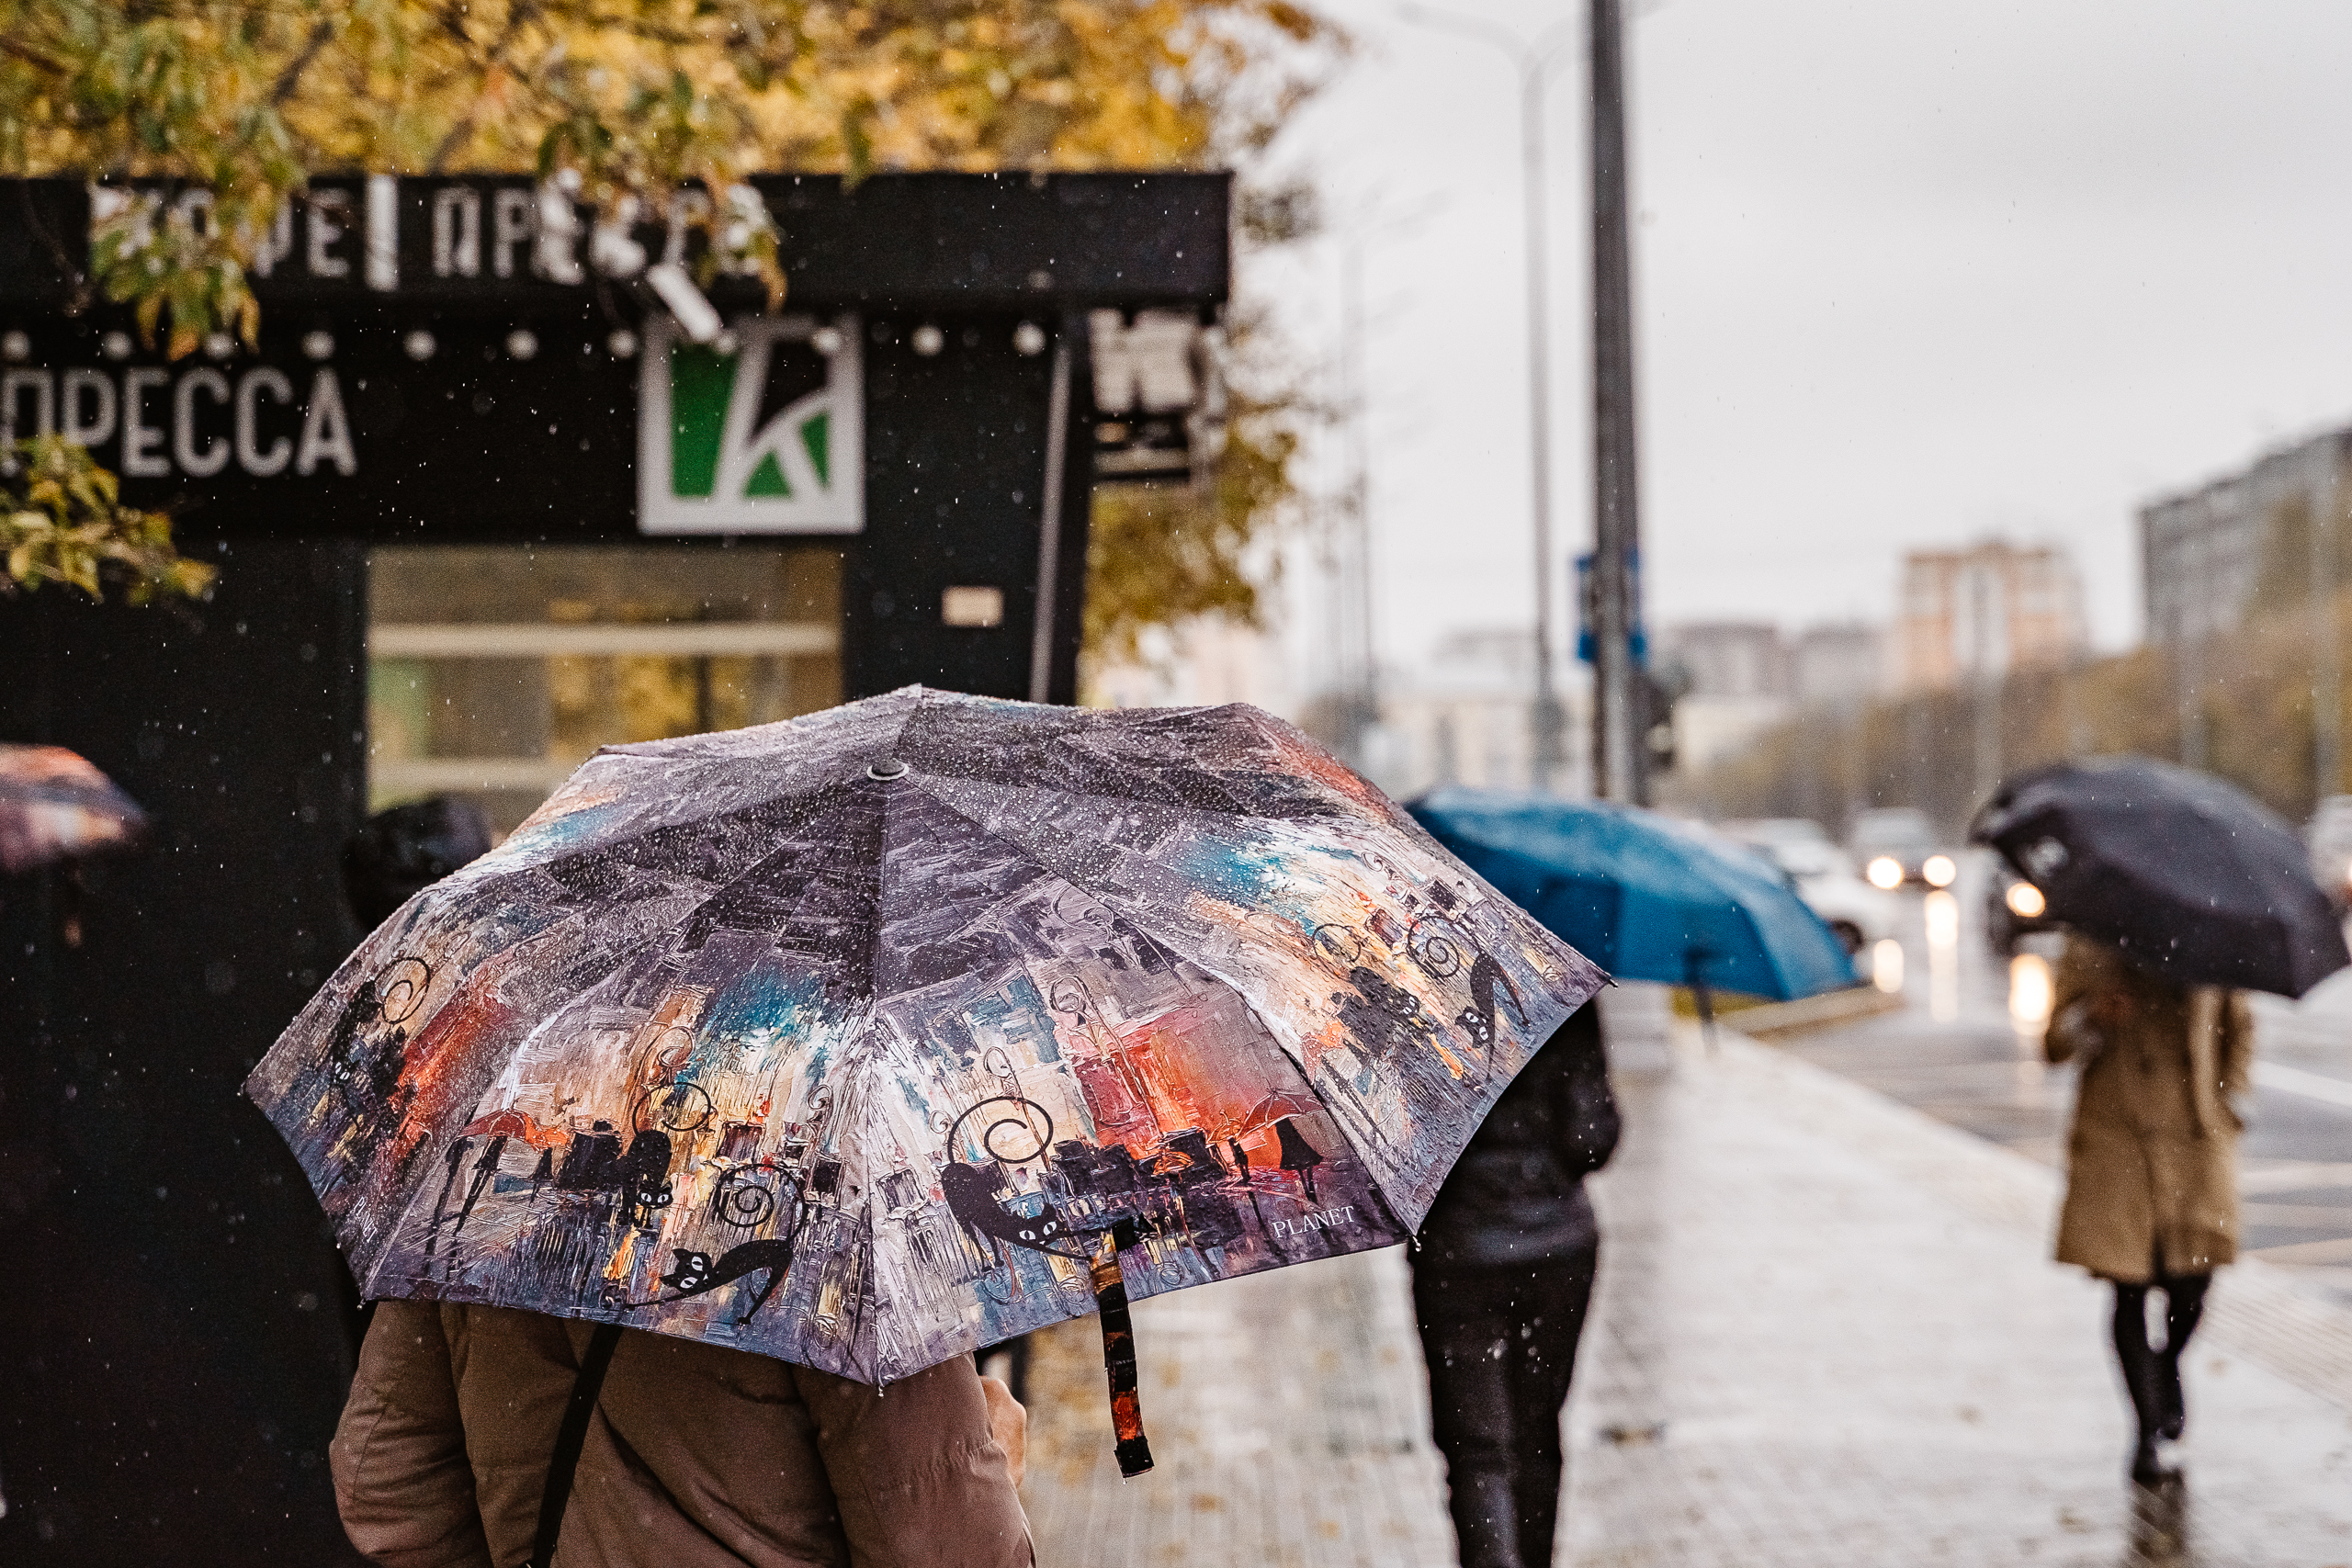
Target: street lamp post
(2327, 683)
(1621, 745)
(1354, 643)
(1533, 61)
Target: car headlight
(1937, 871)
(2025, 900)
(1886, 871)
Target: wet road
(1966, 1050)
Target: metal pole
(1619, 747)
(2189, 668)
(1548, 721)
(2327, 681)
(1049, 522)
(1360, 685)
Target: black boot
(2184, 1308)
(2142, 1379)
(2148, 1468)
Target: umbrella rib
(844, 770)
(1030, 857)
(1137, 919)
(380, 1247)
(553, 864)
(614, 958)
(490, 873)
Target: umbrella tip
(887, 768)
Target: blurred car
(1897, 845)
(2329, 841)
(2013, 908)
(1823, 876)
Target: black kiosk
(455, 365)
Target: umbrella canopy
(865, 1031)
(1646, 896)
(54, 806)
(2191, 876)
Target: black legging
(1501, 1345)
(2153, 1376)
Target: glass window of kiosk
(494, 670)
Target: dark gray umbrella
(2191, 876)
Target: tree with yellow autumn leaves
(632, 103)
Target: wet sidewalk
(1826, 1334)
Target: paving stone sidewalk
(1288, 1417)
(1826, 1334)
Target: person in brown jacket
(694, 1456)
(2152, 1161)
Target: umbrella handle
(1119, 1347)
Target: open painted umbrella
(885, 1033)
(54, 806)
(1646, 896)
(2187, 875)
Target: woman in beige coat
(2150, 1170)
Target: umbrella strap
(1119, 1347)
(568, 1440)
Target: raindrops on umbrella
(876, 1036)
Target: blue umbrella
(1643, 895)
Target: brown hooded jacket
(697, 1457)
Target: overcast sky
(1906, 275)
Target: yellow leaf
(636, 97)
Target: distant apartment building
(1205, 661)
(1834, 666)
(1742, 677)
(1466, 716)
(2208, 555)
(1733, 661)
(1977, 614)
(1839, 666)
(1734, 680)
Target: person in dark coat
(1501, 1278)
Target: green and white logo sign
(766, 437)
